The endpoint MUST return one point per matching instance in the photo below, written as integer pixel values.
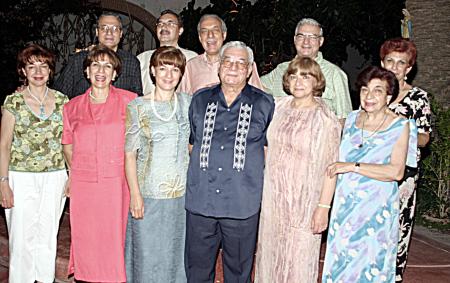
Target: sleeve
(333, 141)
(136, 80)
(342, 102)
(9, 105)
(269, 119)
(411, 158)
(254, 77)
(65, 81)
(423, 114)
(147, 83)
(133, 128)
(67, 135)
(191, 122)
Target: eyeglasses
(311, 37)
(240, 64)
(107, 28)
(169, 24)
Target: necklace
(42, 114)
(374, 132)
(152, 102)
(96, 98)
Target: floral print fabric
(363, 230)
(36, 145)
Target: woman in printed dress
(94, 142)
(156, 166)
(399, 56)
(32, 169)
(303, 139)
(375, 147)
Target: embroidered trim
(208, 129)
(240, 143)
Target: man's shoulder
(125, 55)
(260, 94)
(328, 66)
(77, 57)
(189, 54)
(145, 55)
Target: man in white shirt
(169, 27)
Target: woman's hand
(319, 221)
(67, 188)
(340, 168)
(6, 195)
(137, 206)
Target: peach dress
(301, 144)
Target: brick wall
(431, 34)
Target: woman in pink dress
(93, 139)
(303, 139)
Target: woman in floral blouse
(32, 169)
(399, 56)
(156, 166)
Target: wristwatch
(357, 166)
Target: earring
(405, 78)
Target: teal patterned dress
(363, 230)
(158, 131)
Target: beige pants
(33, 224)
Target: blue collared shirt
(225, 175)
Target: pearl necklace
(42, 114)
(374, 132)
(152, 103)
(96, 98)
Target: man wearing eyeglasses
(72, 81)
(225, 176)
(169, 28)
(202, 71)
(308, 39)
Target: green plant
(434, 187)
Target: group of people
(171, 156)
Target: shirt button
(204, 169)
(225, 129)
(218, 191)
(222, 147)
(228, 109)
(220, 169)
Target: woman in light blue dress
(156, 166)
(375, 147)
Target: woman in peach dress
(303, 139)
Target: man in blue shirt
(225, 177)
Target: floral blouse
(415, 105)
(161, 146)
(36, 145)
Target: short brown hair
(308, 66)
(375, 72)
(168, 55)
(35, 53)
(101, 51)
(400, 45)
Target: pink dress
(99, 196)
(301, 144)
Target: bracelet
(4, 178)
(324, 205)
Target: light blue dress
(363, 230)
(154, 248)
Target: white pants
(33, 224)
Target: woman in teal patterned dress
(156, 166)
(376, 146)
